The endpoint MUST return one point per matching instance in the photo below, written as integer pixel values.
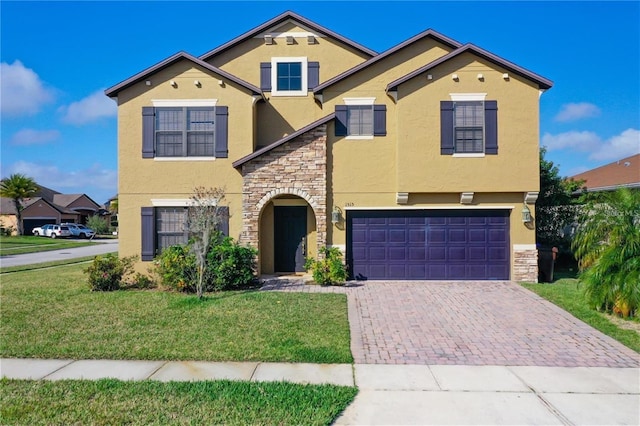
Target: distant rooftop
(621, 173)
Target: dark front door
(290, 236)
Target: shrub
(231, 266)
(329, 269)
(106, 272)
(176, 268)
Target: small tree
(204, 216)
(556, 205)
(18, 187)
(98, 224)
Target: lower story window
(171, 227)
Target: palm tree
(607, 246)
(18, 187)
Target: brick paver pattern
(466, 323)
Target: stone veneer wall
(525, 264)
(298, 167)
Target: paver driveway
(467, 323)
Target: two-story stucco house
(417, 162)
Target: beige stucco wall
(283, 115)
(9, 221)
(143, 179)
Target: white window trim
(469, 155)
(358, 101)
(359, 137)
(184, 102)
(184, 158)
(171, 202)
(468, 96)
(274, 76)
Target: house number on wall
(349, 204)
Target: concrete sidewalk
(403, 394)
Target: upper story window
(468, 125)
(185, 132)
(289, 76)
(185, 129)
(360, 119)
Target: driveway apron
(467, 323)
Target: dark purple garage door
(428, 244)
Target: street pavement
(103, 247)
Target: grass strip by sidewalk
(44, 265)
(113, 402)
(53, 314)
(30, 244)
(567, 294)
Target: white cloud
(88, 181)
(577, 111)
(21, 90)
(27, 137)
(581, 141)
(623, 145)
(92, 108)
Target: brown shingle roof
(625, 172)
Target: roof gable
(541, 81)
(278, 20)
(428, 33)
(180, 56)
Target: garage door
(428, 244)
(29, 224)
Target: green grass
(44, 265)
(567, 294)
(52, 314)
(112, 402)
(31, 244)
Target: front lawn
(52, 314)
(31, 244)
(567, 294)
(113, 402)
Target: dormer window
(289, 76)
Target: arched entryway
(287, 235)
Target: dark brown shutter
(148, 131)
(222, 132)
(491, 127)
(341, 120)
(148, 222)
(265, 76)
(313, 74)
(446, 128)
(379, 120)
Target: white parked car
(53, 231)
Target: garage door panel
(429, 244)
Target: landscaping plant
(17, 187)
(607, 246)
(231, 266)
(329, 269)
(106, 272)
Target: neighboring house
(48, 206)
(623, 173)
(416, 162)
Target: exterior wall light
(336, 215)
(526, 214)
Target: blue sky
(58, 57)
